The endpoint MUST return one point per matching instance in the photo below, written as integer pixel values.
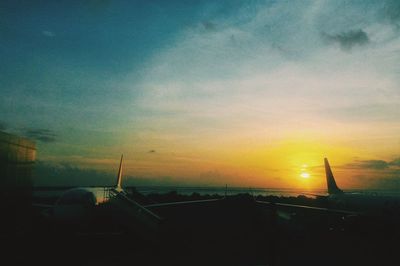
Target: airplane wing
(305, 207)
(40, 205)
(155, 205)
(313, 194)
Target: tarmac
(232, 231)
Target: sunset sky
(244, 93)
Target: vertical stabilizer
(119, 177)
(330, 180)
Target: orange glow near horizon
(294, 163)
(289, 162)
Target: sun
(305, 175)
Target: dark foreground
(233, 231)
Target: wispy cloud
(48, 33)
(43, 135)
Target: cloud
(367, 164)
(69, 175)
(374, 164)
(348, 39)
(49, 34)
(152, 151)
(375, 174)
(64, 174)
(43, 135)
(208, 26)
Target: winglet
(119, 177)
(330, 180)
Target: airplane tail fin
(119, 177)
(330, 180)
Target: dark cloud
(43, 135)
(376, 174)
(348, 39)
(48, 174)
(152, 151)
(373, 164)
(367, 164)
(69, 175)
(208, 26)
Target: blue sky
(189, 88)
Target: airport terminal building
(17, 159)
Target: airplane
(360, 202)
(77, 206)
(347, 204)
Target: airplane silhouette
(361, 202)
(348, 203)
(78, 205)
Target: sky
(244, 93)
